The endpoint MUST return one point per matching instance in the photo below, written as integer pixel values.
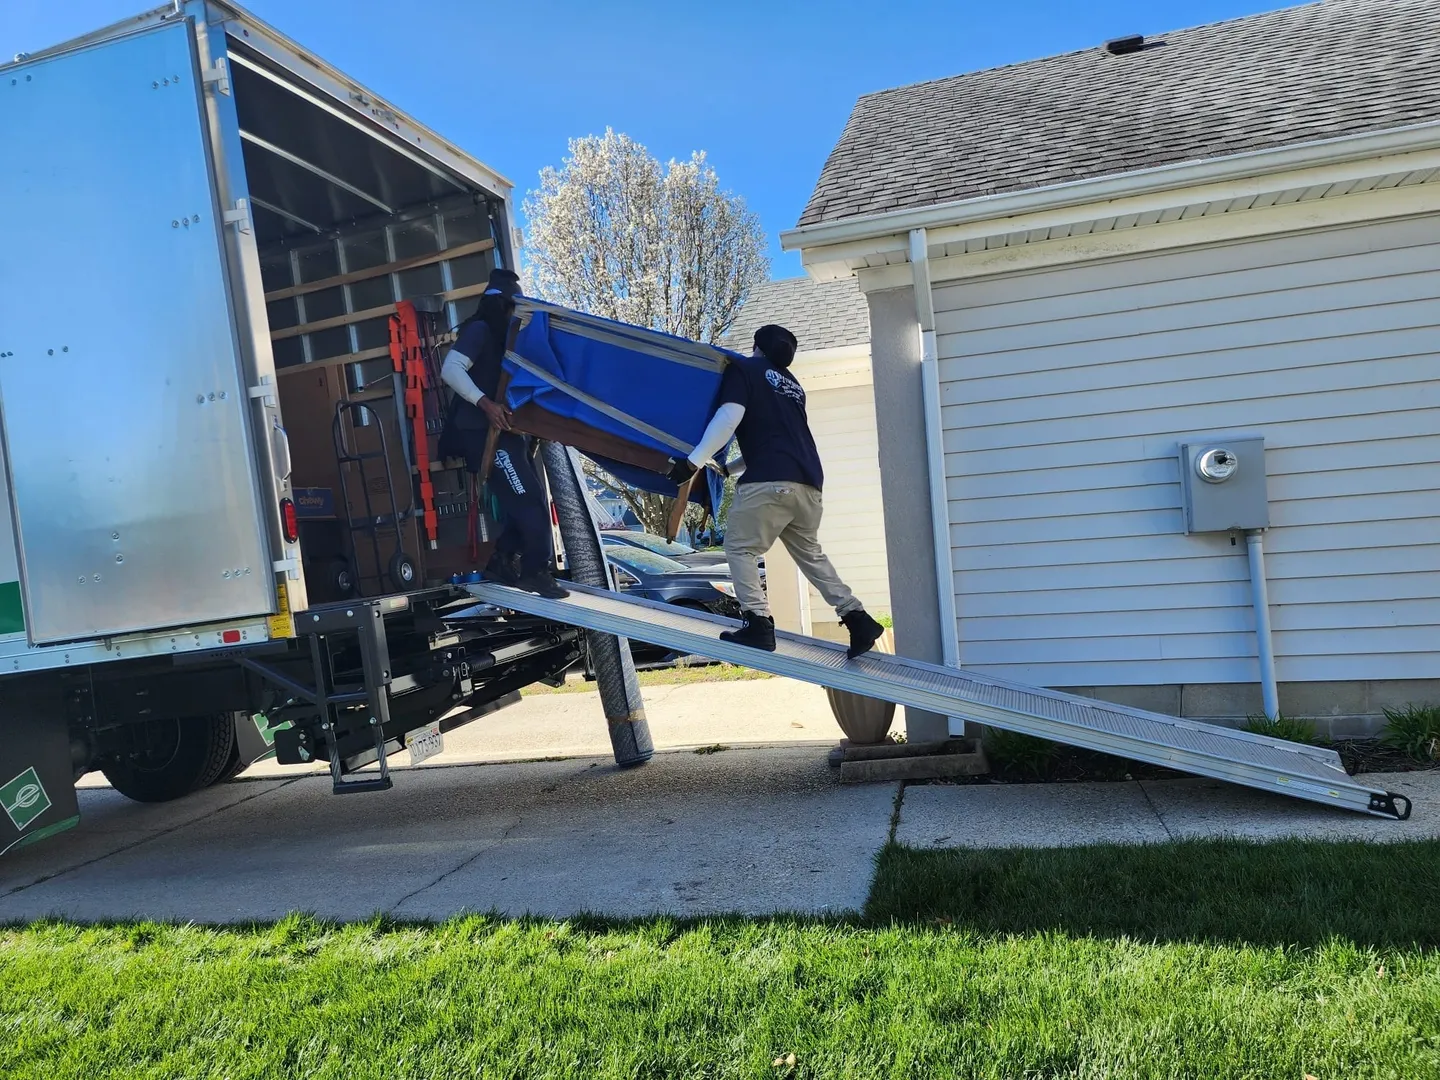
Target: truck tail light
(289, 521)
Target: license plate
(425, 743)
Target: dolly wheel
(402, 572)
(342, 578)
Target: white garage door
(852, 531)
(1066, 392)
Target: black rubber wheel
(403, 574)
(342, 578)
(184, 755)
(233, 765)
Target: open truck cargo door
(131, 465)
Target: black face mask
(496, 314)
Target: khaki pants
(765, 512)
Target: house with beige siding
(832, 324)
(1076, 266)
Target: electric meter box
(1223, 484)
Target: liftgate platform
(1304, 772)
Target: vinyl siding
(852, 531)
(1065, 393)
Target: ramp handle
(1385, 804)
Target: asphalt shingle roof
(821, 314)
(1340, 67)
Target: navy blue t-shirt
(775, 434)
(477, 342)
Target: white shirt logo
(789, 387)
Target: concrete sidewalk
(1073, 815)
(748, 831)
(754, 831)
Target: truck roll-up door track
(1257, 761)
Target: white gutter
(1107, 188)
(935, 450)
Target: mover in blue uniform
(778, 496)
(524, 553)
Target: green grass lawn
(1213, 959)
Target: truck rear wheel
(180, 756)
(234, 765)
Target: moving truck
(227, 274)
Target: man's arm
(734, 393)
(719, 432)
(455, 373)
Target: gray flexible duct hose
(609, 656)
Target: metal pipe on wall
(1265, 646)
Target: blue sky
(763, 87)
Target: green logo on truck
(24, 799)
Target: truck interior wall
(347, 227)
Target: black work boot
(502, 569)
(756, 632)
(864, 632)
(543, 584)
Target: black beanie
(777, 343)
(504, 283)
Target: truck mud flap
(37, 781)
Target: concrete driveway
(747, 830)
(751, 831)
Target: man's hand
(680, 472)
(497, 414)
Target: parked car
(649, 575)
(681, 553)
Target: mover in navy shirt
(774, 434)
(524, 554)
(762, 405)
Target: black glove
(680, 472)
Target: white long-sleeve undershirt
(720, 431)
(455, 373)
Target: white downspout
(935, 449)
(1265, 646)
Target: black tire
(234, 766)
(342, 578)
(403, 574)
(188, 754)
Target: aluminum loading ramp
(1304, 772)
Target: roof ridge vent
(1121, 46)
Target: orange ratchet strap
(409, 364)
